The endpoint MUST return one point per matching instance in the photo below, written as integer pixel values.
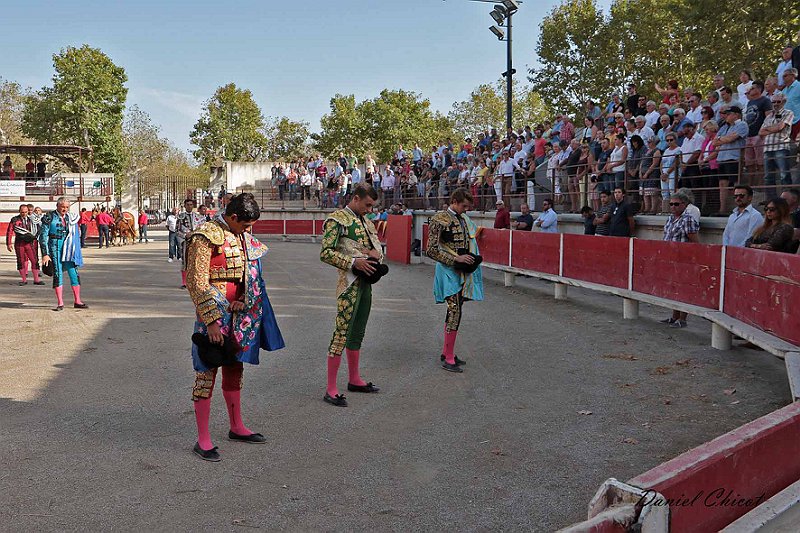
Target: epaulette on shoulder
(342, 216)
(211, 231)
(442, 217)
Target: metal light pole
(509, 73)
(502, 14)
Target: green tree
(486, 108)
(286, 139)
(578, 53)
(12, 104)
(144, 149)
(84, 107)
(231, 128)
(342, 129)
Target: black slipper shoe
(22, 283)
(452, 368)
(207, 455)
(369, 387)
(38, 282)
(80, 306)
(338, 400)
(459, 362)
(253, 438)
(59, 308)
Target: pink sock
(35, 276)
(234, 405)
(202, 413)
(183, 277)
(76, 292)
(60, 295)
(352, 367)
(24, 273)
(449, 346)
(333, 370)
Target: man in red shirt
(86, 217)
(502, 220)
(104, 221)
(30, 168)
(143, 226)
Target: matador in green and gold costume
(348, 240)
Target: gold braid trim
(198, 262)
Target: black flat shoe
(183, 286)
(80, 306)
(459, 362)
(452, 368)
(338, 400)
(207, 455)
(369, 387)
(20, 283)
(59, 308)
(253, 438)
(38, 282)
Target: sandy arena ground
(97, 424)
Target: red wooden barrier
(762, 289)
(596, 260)
(299, 227)
(318, 225)
(684, 272)
(493, 245)
(536, 251)
(268, 227)
(398, 238)
(425, 236)
(759, 458)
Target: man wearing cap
(775, 131)
(730, 140)
(691, 149)
(755, 113)
(502, 219)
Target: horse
(123, 231)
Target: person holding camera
(458, 278)
(234, 316)
(350, 243)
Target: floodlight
(510, 5)
(498, 16)
(498, 32)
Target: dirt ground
(97, 423)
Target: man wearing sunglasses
(744, 220)
(680, 227)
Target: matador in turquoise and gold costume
(452, 236)
(348, 240)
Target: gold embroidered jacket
(446, 235)
(346, 237)
(216, 257)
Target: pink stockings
(76, 293)
(23, 272)
(353, 374)
(231, 391)
(449, 346)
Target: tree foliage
(584, 53)
(286, 139)
(486, 108)
(83, 107)
(231, 127)
(12, 105)
(379, 125)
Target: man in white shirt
(400, 154)
(690, 150)
(519, 154)
(695, 113)
(417, 154)
(744, 220)
(652, 116)
(504, 174)
(172, 227)
(642, 129)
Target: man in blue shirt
(548, 220)
(730, 140)
(791, 90)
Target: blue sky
(293, 55)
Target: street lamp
(498, 14)
(503, 13)
(497, 31)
